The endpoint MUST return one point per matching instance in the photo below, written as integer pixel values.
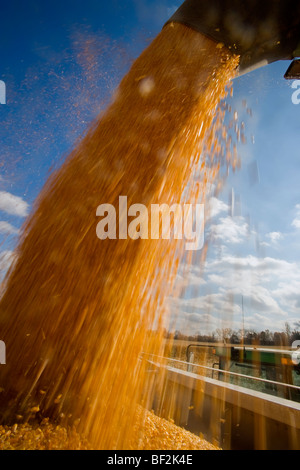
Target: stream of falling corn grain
(77, 312)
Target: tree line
(248, 336)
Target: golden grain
(77, 312)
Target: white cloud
(190, 276)
(13, 205)
(8, 229)
(269, 287)
(253, 278)
(6, 259)
(262, 265)
(216, 207)
(274, 237)
(296, 221)
(204, 313)
(230, 230)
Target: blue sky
(61, 62)
(254, 257)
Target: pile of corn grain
(160, 434)
(76, 312)
(157, 434)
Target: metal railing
(190, 366)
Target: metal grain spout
(260, 32)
